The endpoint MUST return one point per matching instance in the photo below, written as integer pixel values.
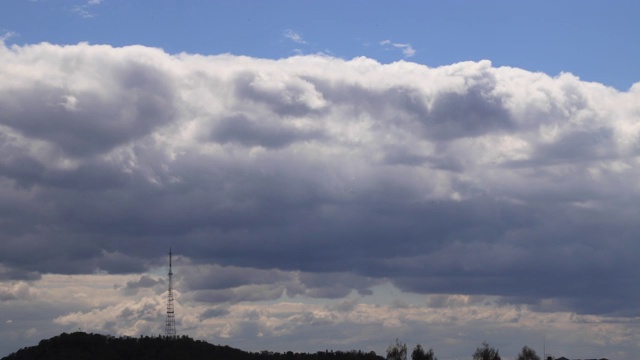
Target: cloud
(407, 50)
(145, 282)
(85, 10)
(16, 291)
(229, 284)
(294, 36)
(90, 303)
(383, 171)
(214, 313)
(313, 179)
(6, 35)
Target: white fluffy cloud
(314, 179)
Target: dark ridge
(80, 345)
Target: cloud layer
(319, 178)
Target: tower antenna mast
(170, 323)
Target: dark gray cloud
(214, 313)
(144, 282)
(472, 113)
(233, 284)
(130, 103)
(289, 178)
(218, 277)
(236, 295)
(28, 172)
(240, 129)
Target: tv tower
(170, 323)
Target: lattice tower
(170, 323)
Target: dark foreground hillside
(81, 345)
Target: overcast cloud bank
(505, 196)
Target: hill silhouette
(80, 345)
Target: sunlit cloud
(86, 10)
(6, 35)
(294, 36)
(312, 197)
(407, 49)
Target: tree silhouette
(80, 345)
(397, 351)
(485, 352)
(528, 353)
(419, 354)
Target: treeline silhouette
(80, 345)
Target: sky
(328, 174)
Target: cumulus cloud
(144, 282)
(315, 178)
(319, 165)
(16, 291)
(6, 35)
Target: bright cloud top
(317, 177)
